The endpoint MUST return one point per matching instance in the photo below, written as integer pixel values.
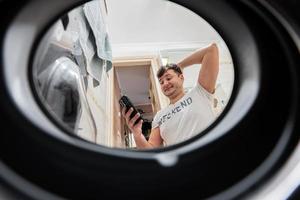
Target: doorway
(135, 78)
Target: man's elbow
(214, 47)
(214, 52)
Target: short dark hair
(162, 70)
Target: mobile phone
(125, 102)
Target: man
(187, 114)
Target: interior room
(115, 52)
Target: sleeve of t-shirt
(155, 121)
(204, 92)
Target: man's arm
(209, 58)
(155, 139)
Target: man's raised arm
(209, 59)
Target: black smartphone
(125, 102)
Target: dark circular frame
(244, 147)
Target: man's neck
(177, 97)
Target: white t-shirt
(186, 118)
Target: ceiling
(155, 21)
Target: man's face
(171, 83)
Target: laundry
(99, 29)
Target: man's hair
(162, 70)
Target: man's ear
(181, 77)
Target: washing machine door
(250, 152)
